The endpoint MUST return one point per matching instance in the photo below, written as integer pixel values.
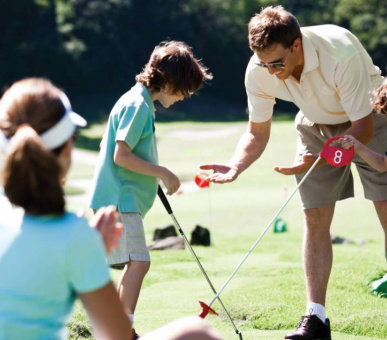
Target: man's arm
(362, 129)
(250, 147)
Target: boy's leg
(133, 252)
(130, 283)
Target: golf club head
(206, 309)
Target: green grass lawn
(267, 296)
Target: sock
(131, 318)
(316, 309)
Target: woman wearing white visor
(49, 257)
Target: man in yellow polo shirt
(329, 75)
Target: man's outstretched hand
(304, 166)
(222, 173)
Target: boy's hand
(171, 181)
(105, 221)
(348, 141)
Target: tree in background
(95, 48)
(30, 43)
(367, 19)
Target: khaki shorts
(328, 184)
(132, 245)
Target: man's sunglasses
(275, 65)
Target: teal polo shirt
(131, 121)
(45, 262)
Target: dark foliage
(94, 48)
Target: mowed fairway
(266, 297)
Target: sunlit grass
(267, 296)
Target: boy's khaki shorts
(132, 245)
(328, 184)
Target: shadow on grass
(197, 109)
(200, 108)
(92, 144)
(88, 143)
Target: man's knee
(381, 209)
(319, 218)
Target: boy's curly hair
(173, 65)
(379, 99)
(273, 25)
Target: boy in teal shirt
(128, 172)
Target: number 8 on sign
(336, 156)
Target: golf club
(335, 156)
(168, 208)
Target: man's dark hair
(273, 25)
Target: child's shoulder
(134, 99)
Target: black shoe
(135, 335)
(311, 328)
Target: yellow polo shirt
(335, 83)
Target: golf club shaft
(264, 231)
(167, 206)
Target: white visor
(61, 132)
